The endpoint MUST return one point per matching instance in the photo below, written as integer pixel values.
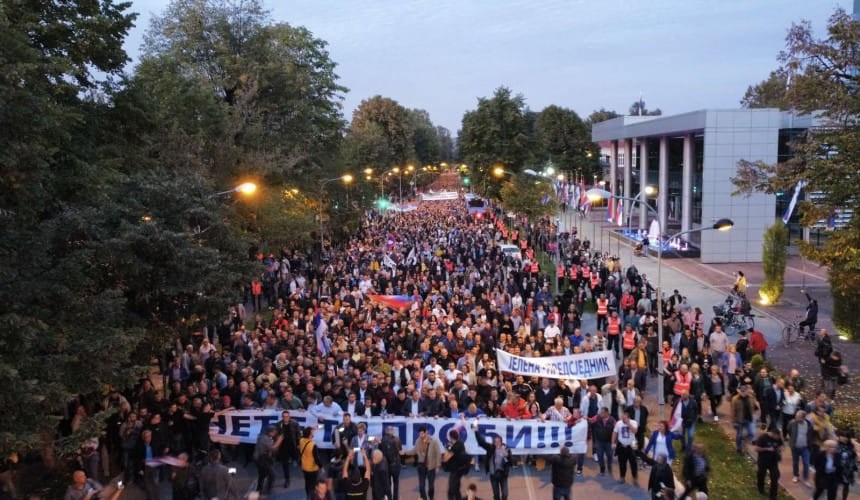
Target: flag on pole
(610, 211)
(619, 217)
(583, 198)
(320, 334)
(791, 204)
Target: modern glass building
(690, 159)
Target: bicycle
(792, 332)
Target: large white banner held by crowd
(523, 437)
(588, 365)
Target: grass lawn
(732, 476)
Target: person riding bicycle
(811, 315)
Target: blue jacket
(670, 437)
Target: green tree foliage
(497, 132)
(770, 93)
(601, 115)
(635, 110)
(524, 194)
(565, 139)
(384, 128)
(446, 144)
(774, 256)
(425, 142)
(825, 80)
(248, 94)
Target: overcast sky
(443, 55)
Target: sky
(443, 55)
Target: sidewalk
(707, 284)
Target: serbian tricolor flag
(583, 198)
(398, 302)
(619, 216)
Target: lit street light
(246, 188)
(719, 225)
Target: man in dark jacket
(661, 477)
(497, 461)
(391, 447)
(768, 445)
(289, 450)
(563, 466)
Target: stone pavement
(705, 285)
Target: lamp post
(719, 225)
(346, 178)
(246, 188)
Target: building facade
(690, 159)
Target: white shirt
(551, 331)
(626, 432)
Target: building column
(628, 177)
(687, 184)
(663, 185)
(613, 166)
(643, 181)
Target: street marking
(528, 479)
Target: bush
(774, 258)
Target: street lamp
(346, 179)
(719, 225)
(246, 188)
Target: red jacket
(518, 411)
(757, 341)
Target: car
(511, 251)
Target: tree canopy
(825, 81)
(769, 93)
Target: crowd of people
(311, 336)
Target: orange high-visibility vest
(667, 356)
(613, 326)
(523, 244)
(515, 235)
(628, 341)
(586, 272)
(595, 280)
(682, 382)
(535, 268)
(573, 271)
(256, 288)
(603, 306)
(559, 271)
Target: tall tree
(601, 115)
(521, 194)
(384, 118)
(565, 139)
(446, 144)
(496, 133)
(269, 88)
(769, 93)
(424, 139)
(54, 311)
(825, 81)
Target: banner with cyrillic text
(588, 365)
(523, 437)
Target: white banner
(589, 365)
(523, 437)
(439, 196)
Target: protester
(696, 470)
(216, 480)
(661, 477)
(562, 471)
(767, 446)
(264, 456)
(455, 461)
(497, 463)
(624, 441)
(428, 456)
(828, 470)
